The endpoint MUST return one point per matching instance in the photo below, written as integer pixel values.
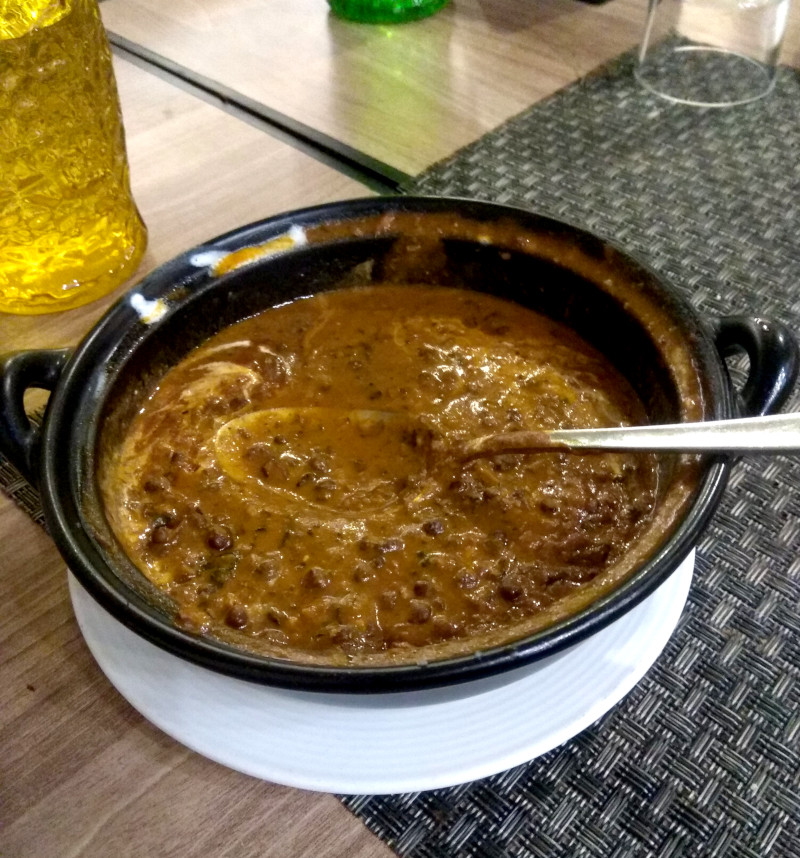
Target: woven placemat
(702, 758)
(18, 488)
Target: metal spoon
(354, 461)
(771, 434)
(362, 428)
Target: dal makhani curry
(289, 486)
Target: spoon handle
(773, 433)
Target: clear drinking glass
(712, 53)
(69, 228)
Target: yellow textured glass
(69, 229)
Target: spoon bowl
(350, 461)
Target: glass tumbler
(69, 229)
(711, 53)
(385, 11)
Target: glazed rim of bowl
(174, 292)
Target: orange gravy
(339, 538)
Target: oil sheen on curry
(292, 484)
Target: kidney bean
(444, 628)
(316, 579)
(257, 450)
(237, 617)
(220, 540)
(422, 587)
(160, 535)
(272, 468)
(268, 568)
(420, 611)
(581, 550)
(156, 484)
(160, 517)
(511, 587)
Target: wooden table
(404, 97)
(236, 110)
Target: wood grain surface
(406, 95)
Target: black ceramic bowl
(674, 360)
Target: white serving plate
(385, 743)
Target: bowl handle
(774, 357)
(20, 439)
